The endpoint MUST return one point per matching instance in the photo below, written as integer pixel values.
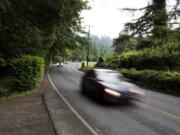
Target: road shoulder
(26, 115)
(65, 121)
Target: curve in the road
(118, 120)
(73, 110)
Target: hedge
(28, 71)
(166, 81)
(161, 58)
(4, 92)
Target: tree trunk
(160, 18)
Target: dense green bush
(84, 69)
(28, 71)
(100, 62)
(2, 62)
(4, 92)
(111, 60)
(161, 58)
(168, 81)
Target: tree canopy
(155, 19)
(39, 27)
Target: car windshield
(109, 76)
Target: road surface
(157, 114)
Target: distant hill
(104, 44)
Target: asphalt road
(157, 114)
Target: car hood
(121, 86)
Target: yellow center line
(172, 116)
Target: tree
(40, 27)
(93, 52)
(124, 42)
(154, 20)
(158, 44)
(80, 53)
(104, 44)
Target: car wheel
(103, 100)
(83, 89)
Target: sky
(106, 18)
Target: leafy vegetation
(160, 58)
(98, 46)
(166, 81)
(84, 68)
(124, 43)
(4, 92)
(6, 86)
(104, 44)
(35, 32)
(42, 27)
(80, 54)
(148, 49)
(38, 28)
(28, 71)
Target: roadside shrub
(2, 62)
(160, 58)
(28, 71)
(84, 69)
(111, 60)
(131, 59)
(4, 92)
(168, 81)
(100, 62)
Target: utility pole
(88, 46)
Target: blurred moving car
(109, 85)
(56, 64)
(59, 65)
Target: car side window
(91, 73)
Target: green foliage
(101, 62)
(159, 49)
(161, 58)
(43, 28)
(93, 52)
(6, 85)
(28, 71)
(104, 44)
(109, 57)
(4, 92)
(111, 60)
(167, 81)
(80, 53)
(124, 43)
(2, 62)
(39, 27)
(84, 69)
(144, 43)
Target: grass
(7, 89)
(85, 68)
(17, 94)
(90, 64)
(7, 82)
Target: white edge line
(73, 110)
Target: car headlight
(138, 92)
(112, 92)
